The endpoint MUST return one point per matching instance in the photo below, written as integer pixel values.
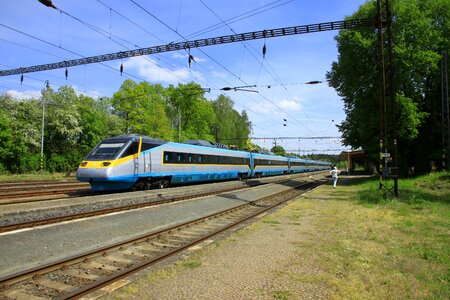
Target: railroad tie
(56, 285)
(185, 235)
(161, 245)
(96, 265)
(20, 295)
(146, 247)
(134, 253)
(119, 259)
(81, 274)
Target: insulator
(121, 69)
(21, 79)
(264, 50)
(67, 73)
(48, 3)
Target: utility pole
(382, 89)
(384, 19)
(179, 125)
(44, 96)
(445, 113)
(392, 98)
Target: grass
(353, 243)
(33, 176)
(380, 247)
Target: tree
(191, 113)
(142, 107)
(230, 126)
(20, 134)
(62, 120)
(420, 31)
(278, 150)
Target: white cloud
(177, 55)
(221, 75)
(24, 94)
(148, 69)
(290, 105)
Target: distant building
(358, 161)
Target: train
(135, 162)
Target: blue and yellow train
(140, 162)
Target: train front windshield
(105, 151)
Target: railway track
(108, 210)
(81, 274)
(22, 192)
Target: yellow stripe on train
(106, 163)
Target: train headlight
(106, 163)
(83, 164)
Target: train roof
(205, 144)
(145, 139)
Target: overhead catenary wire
(58, 47)
(234, 75)
(166, 25)
(151, 34)
(261, 63)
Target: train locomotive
(140, 162)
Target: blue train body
(141, 162)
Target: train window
(106, 151)
(168, 157)
(190, 158)
(182, 157)
(132, 149)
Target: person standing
(334, 174)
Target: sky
(282, 105)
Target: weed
(281, 295)
(270, 221)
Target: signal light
(106, 163)
(83, 164)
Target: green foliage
(74, 124)
(420, 31)
(230, 127)
(142, 107)
(191, 114)
(278, 150)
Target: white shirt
(334, 173)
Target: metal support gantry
(186, 45)
(387, 101)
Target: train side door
(252, 164)
(138, 145)
(147, 162)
